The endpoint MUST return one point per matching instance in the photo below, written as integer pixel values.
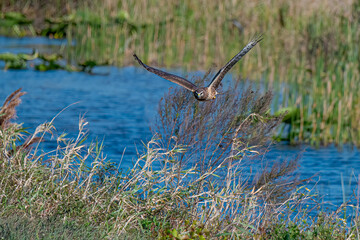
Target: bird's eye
(199, 94)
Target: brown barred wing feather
(222, 72)
(168, 76)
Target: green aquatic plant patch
(17, 61)
(46, 62)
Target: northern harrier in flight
(209, 92)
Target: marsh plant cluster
(192, 180)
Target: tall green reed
(309, 56)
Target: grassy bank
(310, 54)
(191, 182)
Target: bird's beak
(214, 97)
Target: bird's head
(200, 94)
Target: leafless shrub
(236, 129)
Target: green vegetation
(20, 227)
(48, 62)
(17, 61)
(185, 185)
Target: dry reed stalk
(8, 110)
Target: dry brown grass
(7, 111)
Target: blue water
(121, 106)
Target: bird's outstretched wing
(168, 76)
(220, 75)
